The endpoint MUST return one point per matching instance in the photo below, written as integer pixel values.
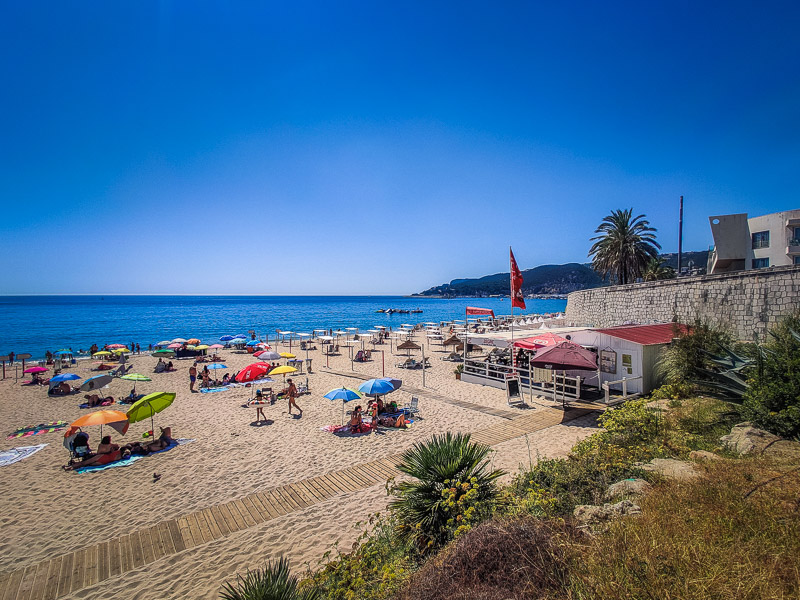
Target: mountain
(546, 279)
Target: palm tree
(452, 474)
(625, 246)
(656, 270)
(273, 582)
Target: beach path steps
(85, 567)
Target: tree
(656, 270)
(625, 246)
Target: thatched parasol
(408, 345)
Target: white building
(741, 244)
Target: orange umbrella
(115, 418)
(193, 341)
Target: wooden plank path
(68, 573)
(432, 395)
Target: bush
(682, 360)
(273, 582)
(501, 559)
(772, 400)
(453, 489)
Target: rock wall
(744, 302)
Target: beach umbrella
(538, 341)
(102, 353)
(114, 418)
(215, 366)
(376, 387)
(345, 395)
(408, 345)
(268, 355)
(282, 371)
(63, 352)
(96, 382)
(112, 346)
(64, 377)
(253, 343)
(164, 343)
(164, 353)
(35, 370)
(194, 341)
(203, 347)
(252, 372)
(179, 341)
(135, 377)
(226, 338)
(146, 407)
(216, 346)
(121, 351)
(174, 346)
(396, 383)
(287, 355)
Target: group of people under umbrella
(380, 412)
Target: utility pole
(680, 238)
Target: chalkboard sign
(512, 387)
(23, 356)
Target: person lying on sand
(399, 422)
(164, 440)
(106, 453)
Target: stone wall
(744, 302)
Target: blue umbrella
(376, 387)
(226, 338)
(254, 343)
(62, 352)
(64, 377)
(217, 366)
(345, 395)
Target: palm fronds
(625, 246)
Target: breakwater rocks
(746, 303)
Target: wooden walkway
(89, 565)
(496, 412)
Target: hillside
(545, 279)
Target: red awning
(543, 340)
(472, 310)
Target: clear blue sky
(375, 147)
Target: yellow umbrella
(122, 351)
(287, 355)
(102, 353)
(201, 347)
(282, 371)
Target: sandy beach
(46, 512)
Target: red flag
(516, 284)
(471, 310)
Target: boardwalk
(87, 566)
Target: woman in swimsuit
(106, 453)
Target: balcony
(793, 245)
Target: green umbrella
(135, 377)
(164, 353)
(146, 407)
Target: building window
(760, 263)
(795, 240)
(761, 239)
(797, 260)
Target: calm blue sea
(38, 323)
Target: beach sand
(45, 512)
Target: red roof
(646, 335)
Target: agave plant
(273, 582)
(453, 485)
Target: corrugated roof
(646, 335)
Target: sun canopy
(474, 310)
(543, 340)
(566, 356)
(408, 346)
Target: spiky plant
(624, 247)
(453, 487)
(273, 582)
(656, 269)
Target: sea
(35, 324)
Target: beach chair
(406, 364)
(359, 356)
(413, 407)
(367, 355)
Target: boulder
(671, 468)
(599, 516)
(746, 439)
(698, 455)
(627, 487)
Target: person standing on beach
(291, 393)
(11, 358)
(138, 349)
(192, 376)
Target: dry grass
(703, 541)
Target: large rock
(598, 517)
(746, 439)
(671, 468)
(627, 487)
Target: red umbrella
(566, 356)
(35, 370)
(112, 346)
(252, 372)
(545, 340)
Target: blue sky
(357, 148)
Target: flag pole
(511, 297)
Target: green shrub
(453, 489)
(772, 400)
(273, 582)
(672, 391)
(682, 360)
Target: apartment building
(742, 243)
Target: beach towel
(132, 459)
(37, 429)
(9, 457)
(212, 390)
(106, 403)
